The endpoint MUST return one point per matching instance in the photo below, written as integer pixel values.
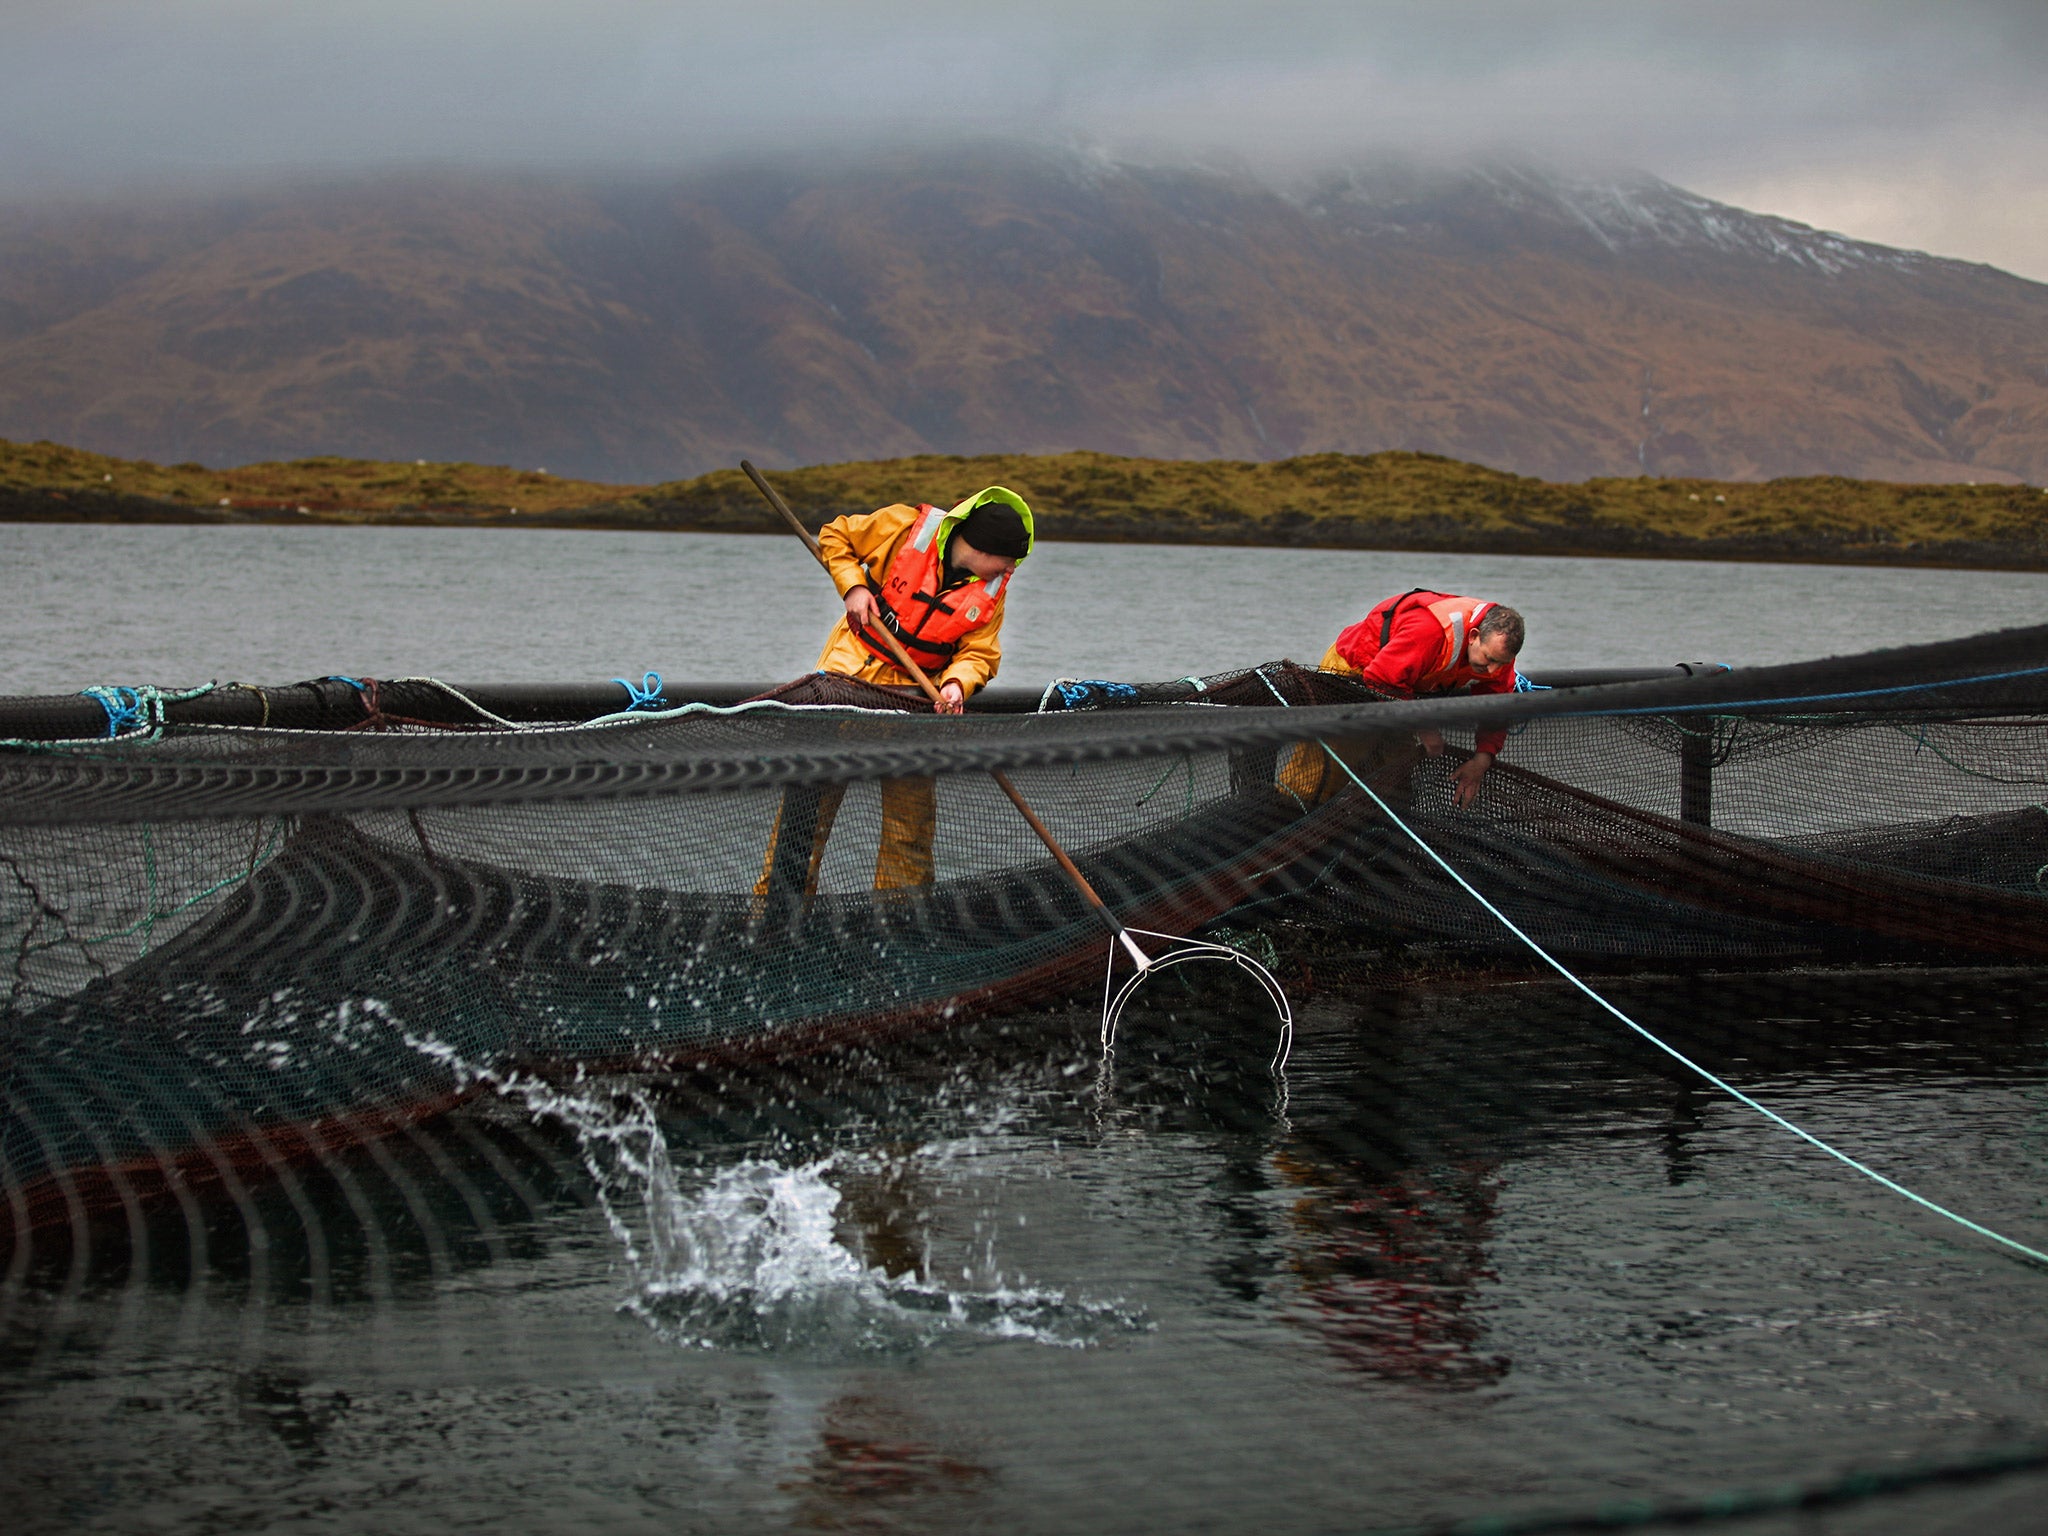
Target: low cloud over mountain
(1013, 300)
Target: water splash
(751, 1256)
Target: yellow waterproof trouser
(1383, 759)
(909, 824)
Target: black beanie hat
(994, 528)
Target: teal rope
(1164, 775)
(1523, 685)
(152, 916)
(1821, 698)
(124, 708)
(644, 695)
(149, 922)
(1188, 759)
(1733, 1092)
(1747, 1503)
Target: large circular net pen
(252, 977)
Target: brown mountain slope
(998, 301)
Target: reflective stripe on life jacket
(1459, 616)
(929, 622)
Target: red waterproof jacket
(1414, 645)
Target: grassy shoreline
(1391, 500)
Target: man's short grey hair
(1503, 620)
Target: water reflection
(299, 1414)
(881, 1465)
(1389, 1272)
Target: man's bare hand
(1432, 741)
(861, 607)
(1466, 780)
(952, 698)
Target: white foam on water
(749, 1257)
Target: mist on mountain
(1005, 298)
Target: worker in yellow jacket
(937, 579)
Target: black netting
(223, 946)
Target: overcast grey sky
(1905, 121)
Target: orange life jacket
(928, 622)
(1459, 616)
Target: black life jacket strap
(934, 652)
(1387, 618)
(924, 652)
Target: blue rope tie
(1080, 694)
(353, 682)
(1728, 1088)
(124, 706)
(647, 695)
(137, 711)
(1523, 684)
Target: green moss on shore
(1330, 500)
(70, 480)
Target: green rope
(149, 874)
(1676, 1055)
(149, 921)
(1155, 786)
(1187, 760)
(1918, 736)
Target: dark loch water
(1476, 1254)
(1480, 1253)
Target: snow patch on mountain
(1648, 211)
(1625, 214)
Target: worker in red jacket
(1417, 645)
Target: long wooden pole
(902, 658)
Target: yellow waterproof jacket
(862, 543)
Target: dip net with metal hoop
(233, 952)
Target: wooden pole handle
(775, 500)
(881, 631)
